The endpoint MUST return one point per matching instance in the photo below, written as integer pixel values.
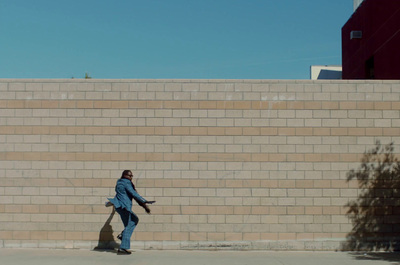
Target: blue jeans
(130, 220)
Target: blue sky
(170, 39)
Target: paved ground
(153, 257)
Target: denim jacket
(124, 195)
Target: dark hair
(125, 172)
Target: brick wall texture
(232, 164)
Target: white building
(326, 72)
(356, 3)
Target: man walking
(125, 192)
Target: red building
(371, 41)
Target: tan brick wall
(232, 164)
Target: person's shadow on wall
(375, 214)
(106, 238)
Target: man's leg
(124, 214)
(130, 221)
(133, 220)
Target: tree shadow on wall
(375, 214)
(106, 238)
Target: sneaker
(120, 236)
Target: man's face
(129, 175)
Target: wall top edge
(283, 81)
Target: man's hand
(144, 205)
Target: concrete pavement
(154, 257)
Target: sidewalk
(153, 257)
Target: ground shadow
(107, 242)
(375, 214)
(387, 256)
